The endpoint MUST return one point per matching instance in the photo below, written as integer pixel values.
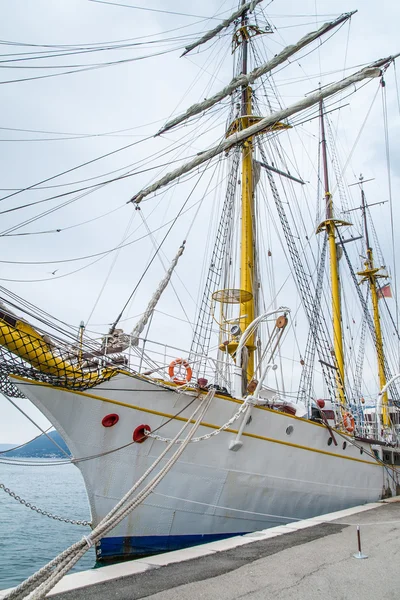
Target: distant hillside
(42, 447)
(6, 446)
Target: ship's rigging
(250, 127)
(280, 352)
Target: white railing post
(250, 329)
(379, 403)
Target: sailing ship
(263, 455)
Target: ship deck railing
(154, 358)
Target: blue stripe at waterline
(117, 548)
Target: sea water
(29, 540)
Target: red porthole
(139, 435)
(110, 420)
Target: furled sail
(141, 324)
(371, 71)
(213, 32)
(243, 80)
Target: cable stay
(204, 324)
(360, 356)
(279, 172)
(265, 124)
(245, 80)
(307, 374)
(336, 168)
(141, 324)
(307, 293)
(381, 358)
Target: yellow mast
(245, 296)
(247, 236)
(336, 305)
(371, 274)
(330, 225)
(247, 210)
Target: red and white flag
(385, 291)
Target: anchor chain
(207, 436)
(39, 510)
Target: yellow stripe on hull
(203, 424)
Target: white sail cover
(371, 71)
(141, 324)
(243, 80)
(250, 6)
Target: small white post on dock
(359, 554)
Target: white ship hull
(278, 475)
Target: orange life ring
(348, 422)
(171, 371)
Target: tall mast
(247, 208)
(329, 225)
(245, 296)
(371, 274)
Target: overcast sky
(68, 116)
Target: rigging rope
(113, 326)
(111, 268)
(360, 356)
(100, 454)
(389, 181)
(393, 388)
(347, 163)
(304, 284)
(36, 425)
(148, 313)
(202, 333)
(157, 10)
(307, 375)
(200, 203)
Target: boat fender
(348, 422)
(110, 420)
(171, 371)
(140, 433)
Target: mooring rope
(41, 582)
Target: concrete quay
(311, 559)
